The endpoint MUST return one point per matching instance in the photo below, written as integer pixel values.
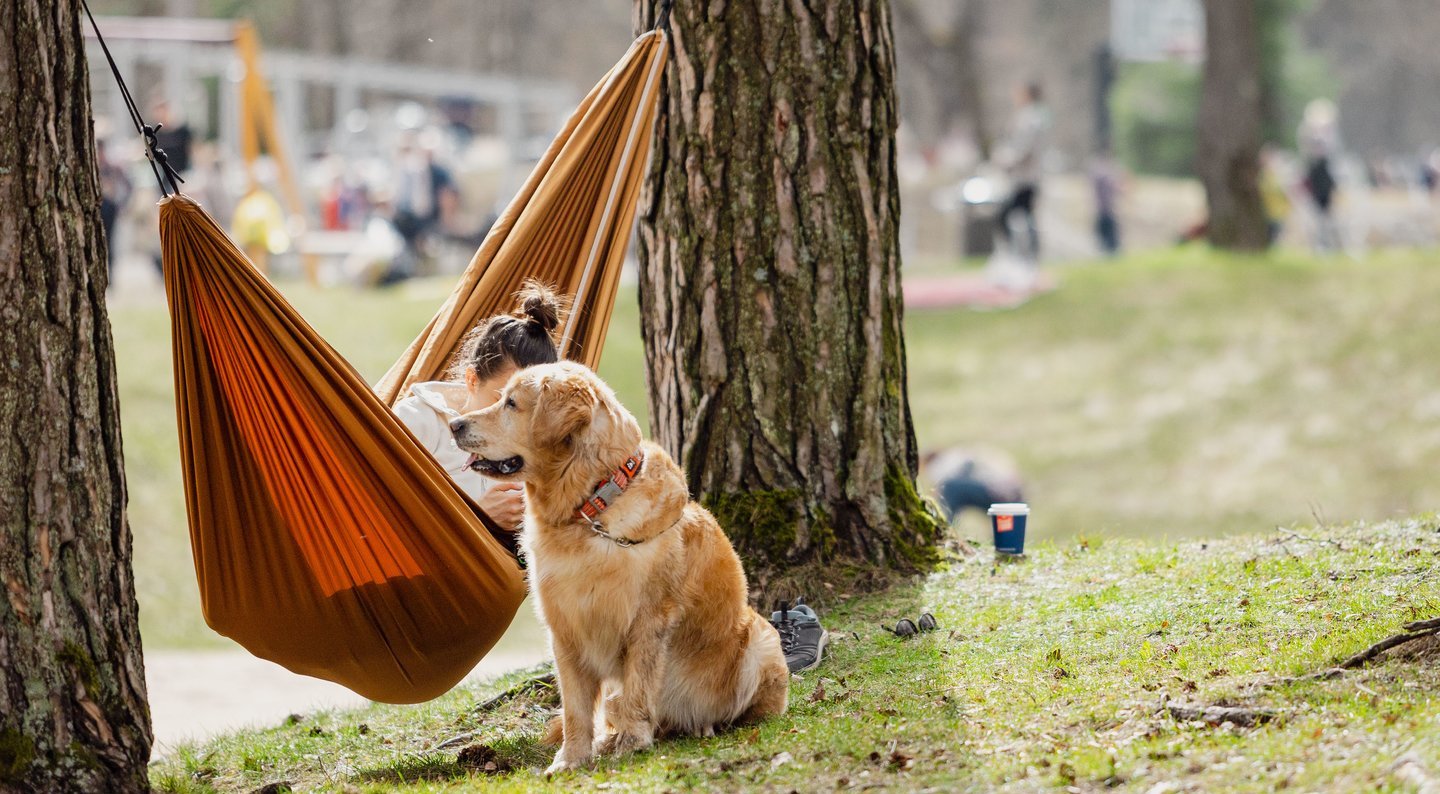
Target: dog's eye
(510, 403)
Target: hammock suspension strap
(159, 162)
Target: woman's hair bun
(540, 304)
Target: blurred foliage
(1292, 74)
(1155, 104)
(1155, 107)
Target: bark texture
(769, 281)
(1230, 126)
(73, 715)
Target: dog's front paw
(627, 740)
(564, 762)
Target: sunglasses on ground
(909, 628)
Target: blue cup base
(1011, 541)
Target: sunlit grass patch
(1048, 673)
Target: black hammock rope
(159, 163)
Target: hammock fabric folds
(325, 538)
(568, 226)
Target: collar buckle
(599, 529)
(605, 494)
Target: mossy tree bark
(770, 282)
(1232, 112)
(73, 715)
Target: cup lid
(1010, 509)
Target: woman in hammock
(496, 349)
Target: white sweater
(427, 412)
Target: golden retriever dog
(644, 597)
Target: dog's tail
(554, 731)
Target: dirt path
(195, 695)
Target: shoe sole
(819, 654)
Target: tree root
(1414, 630)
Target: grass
(1175, 393)
(1182, 393)
(1047, 674)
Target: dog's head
(548, 418)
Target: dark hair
(522, 338)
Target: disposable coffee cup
(1007, 521)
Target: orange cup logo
(1004, 523)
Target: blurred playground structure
(307, 127)
(321, 152)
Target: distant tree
(72, 689)
(946, 82)
(770, 283)
(1385, 65)
(1232, 103)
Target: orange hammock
(325, 537)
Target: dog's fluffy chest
(594, 598)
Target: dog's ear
(564, 406)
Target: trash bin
(980, 206)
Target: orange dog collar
(609, 489)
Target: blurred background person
(1105, 182)
(259, 227)
(1022, 156)
(425, 198)
(966, 478)
(1318, 138)
(1273, 193)
(173, 136)
(115, 192)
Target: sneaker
(802, 638)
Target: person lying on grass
(497, 348)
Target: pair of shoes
(909, 628)
(802, 638)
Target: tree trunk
(1229, 134)
(73, 715)
(770, 282)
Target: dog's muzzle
(507, 466)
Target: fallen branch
(1292, 533)
(1217, 715)
(527, 687)
(452, 741)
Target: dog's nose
(457, 426)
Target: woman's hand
(505, 502)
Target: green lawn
(1183, 394)
(1048, 674)
(1175, 394)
